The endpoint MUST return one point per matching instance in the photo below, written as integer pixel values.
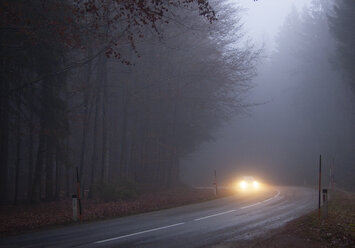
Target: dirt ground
(337, 230)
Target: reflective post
(325, 204)
(320, 183)
(75, 207)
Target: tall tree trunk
(67, 169)
(49, 168)
(105, 148)
(4, 130)
(18, 148)
(4, 88)
(4, 140)
(86, 121)
(49, 96)
(58, 171)
(43, 146)
(30, 151)
(94, 158)
(173, 169)
(123, 154)
(36, 186)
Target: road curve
(187, 226)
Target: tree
(121, 89)
(308, 110)
(342, 25)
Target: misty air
(185, 123)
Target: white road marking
(275, 196)
(178, 224)
(137, 233)
(250, 205)
(213, 215)
(230, 211)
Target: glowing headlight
(243, 184)
(255, 184)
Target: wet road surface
(195, 225)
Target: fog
(263, 19)
(300, 106)
(116, 96)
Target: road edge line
(137, 233)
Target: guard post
(319, 185)
(75, 207)
(325, 204)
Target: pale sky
(263, 18)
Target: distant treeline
(316, 53)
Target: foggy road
(187, 226)
(129, 105)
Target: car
(248, 183)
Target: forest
(112, 92)
(302, 101)
(177, 123)
(117, 92)
(312, 68)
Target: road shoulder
(308, 231)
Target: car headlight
(256, 184)
(243, 184)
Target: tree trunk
(58, 171)
(67, 181)
(94, 158)
(49, 168)
(123, 154)
(18, 148)
(105, 148)
(35, 189)
(86, 121)
(4, 136)
(30, 154)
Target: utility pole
(320, 183)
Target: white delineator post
(75, 207)
(325, 204)
(319, 184)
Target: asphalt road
(235, 217)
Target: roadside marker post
(320, 183)
(325, 204)
(75, 207)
